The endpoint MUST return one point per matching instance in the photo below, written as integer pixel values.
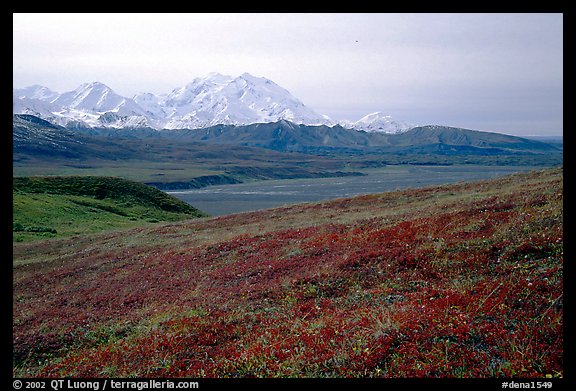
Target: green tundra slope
(61, 206)
(461, 280)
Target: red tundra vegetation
(461, 280)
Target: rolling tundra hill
(54, 207)
(461, 280)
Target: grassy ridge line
(61, 206)
(462, 280)
(101, 188)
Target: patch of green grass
(46, 207)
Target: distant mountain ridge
(206, 101)
(225, 154)
(286, 136)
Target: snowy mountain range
(207, 101)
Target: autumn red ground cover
(462, 280)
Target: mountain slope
(463, 280)
(287, 136)
(34, 138)
(281, 136)
(35, 107)
(165, 159)
(435, 135)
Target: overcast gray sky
(493, 72)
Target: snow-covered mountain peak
(218, 78)
(262, 83)
(255, 80)
(93, 89)
(378, 115)
(93, 96)
(380, 122)
(205, 101)
(35, 91)
(213, 82)
(96, 85)
(221, 99)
